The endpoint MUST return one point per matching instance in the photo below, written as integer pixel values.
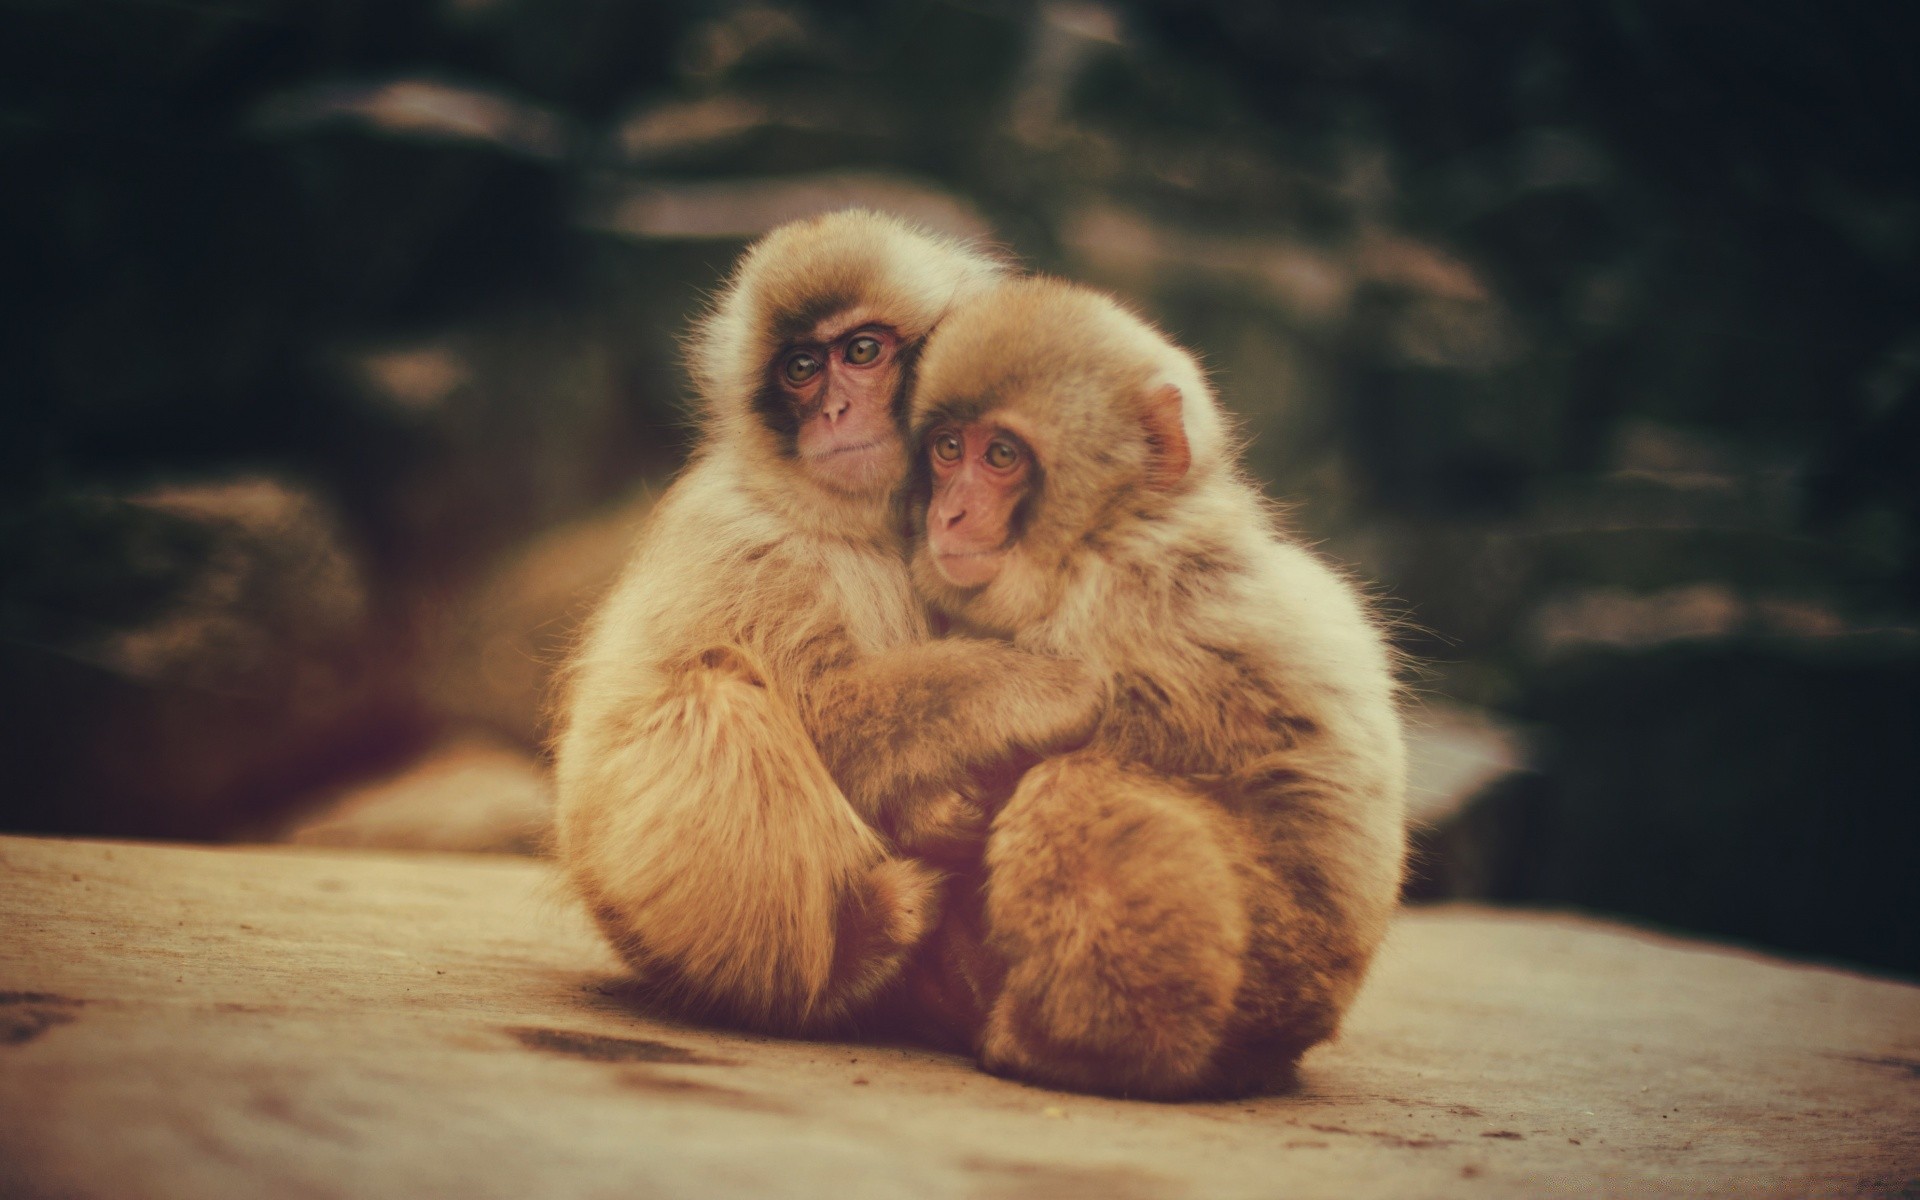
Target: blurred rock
(1617, 619)
(420, 108)
(415, 379)
(491, 663)
(472, 796)
(1066, 33)
(677, 126)
(1313, 280)
(186, 656)
(510, 424)
(748, 208)
(1454, 754)
(1655, 476)
(1759, 789)
(273, 582)
(722, 45)
(1126, 249)
(1459, 762)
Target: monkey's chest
(873, 596)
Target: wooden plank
(210, 1023)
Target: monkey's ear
(1166, 439)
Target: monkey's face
(981, 472)
(841, 382)
(1047, 421)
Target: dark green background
(1549, 317)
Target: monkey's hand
(944, 827)
(1050, 707)
(917, 720)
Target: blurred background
(342, 363)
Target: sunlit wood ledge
(208, 1023)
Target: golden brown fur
(740, 733)
(1187, 904)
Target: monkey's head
(802, 363)
(1049, 423)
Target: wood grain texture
(179, 1022)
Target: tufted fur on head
(853, 266)
(1121, 421)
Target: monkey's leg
(1323, 883)
(1114, 905)
(723, 863)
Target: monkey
(1186, 904)
(758, 746)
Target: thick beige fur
(754, 719)
(1187, 904)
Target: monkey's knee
(1146, 1028)
(1113, 897)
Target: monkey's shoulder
(1262, 649)
(708, 507)
(712, 567)
(710, 517)
(1277, 615)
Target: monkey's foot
(890, 911)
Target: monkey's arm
(922, 718)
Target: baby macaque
(757, 731)
(1186, 904)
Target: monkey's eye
(801, 367)
(863, 350)
(1001, 455)
(946, 446)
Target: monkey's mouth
(835, 452)
(969, 568)
(856, 469)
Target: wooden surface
(180, 1022)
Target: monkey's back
(1250, 678)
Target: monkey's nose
(954, 517)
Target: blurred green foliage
(1592, 330)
